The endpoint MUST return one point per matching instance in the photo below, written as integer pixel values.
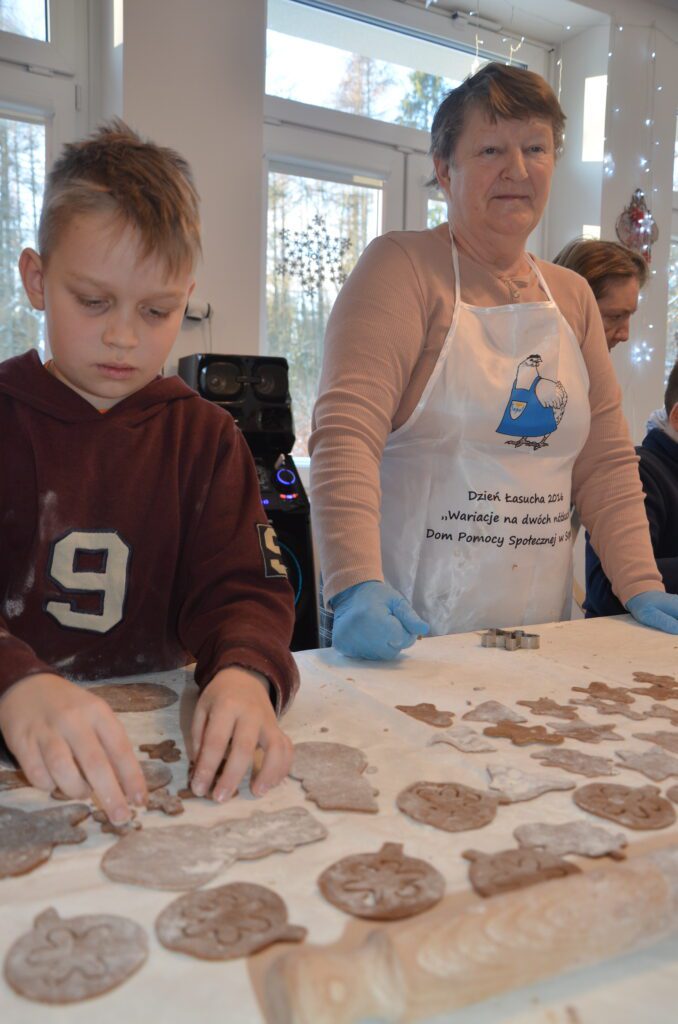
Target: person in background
(132, 535)
(659, 475)
(616, 275)
(466, 397)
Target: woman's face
(499, 177)
(617, 305)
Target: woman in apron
(466, 398)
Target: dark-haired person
(616, 275)
(659, 476)
(466, 396)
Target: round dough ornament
(382, 886)
(226, 922)
(65, 960)
(639, 807)
(636, 227)
(450, 806)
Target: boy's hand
(236, 706)
(65, 737)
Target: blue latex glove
(656, 609)
(374, 621)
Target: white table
(355, 703)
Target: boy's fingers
(60, 763)
(99, 773)
(197, 729)
(215, 739)
(34, 768)
(240, 758)
(276, 764)
(118, 748)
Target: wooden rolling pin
(440, 961)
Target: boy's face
(112, 316)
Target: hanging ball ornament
(636, 227)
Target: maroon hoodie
(133, 541)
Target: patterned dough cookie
(641, 807)
(668, 740)
(492, 711)
(517, 785)
(577, 837)
(123, 697)
(28, 837)
(65, 960)
(332, 776)
(611, 707)
(428, 713)
(382, 886)
(601, 691)
(576, 762)
(450, 806)
(463, 737)
(493, 873)
(226, 922)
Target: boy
(658, 469)
(132, 537)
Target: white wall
(577, 186)
(193, 78)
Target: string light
(641, 353)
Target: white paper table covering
(355, 703)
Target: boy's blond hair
(148, 187)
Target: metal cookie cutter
(511, 639)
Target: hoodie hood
(659, 421)
(26, 380)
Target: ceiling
(544, 20)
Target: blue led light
(286, 477)
(265, 501)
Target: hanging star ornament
(636, 227)
(313, 255)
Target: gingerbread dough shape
(584, 732)
(382, 886)
(163, 800)
(449, 806)
(576, 762)
(668, 682)
(493, 873)
(179, 857)
(428, 713)
(157, 775)
(66, 960)
(668, 740)
(463, 737)
(492, 711)
(331, 775)
(657, 687)
(546, 706)
(517, 785)
(577, 837)
(27, 838)
(654, 764)
(601, 691)
(133, 825)
(605, 707)
(165, 750)
(662, 711)
(642, 807)
(226, 922)
(521, 735)
(124, 697)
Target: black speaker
(255, 391)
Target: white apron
(475, 486)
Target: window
(22, 171)
(672, 318)
(24, 18)
(43, 54)
(343, 62)
(349, 105)
(595, 97)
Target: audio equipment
(255, 391)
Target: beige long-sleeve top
(383, 339)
